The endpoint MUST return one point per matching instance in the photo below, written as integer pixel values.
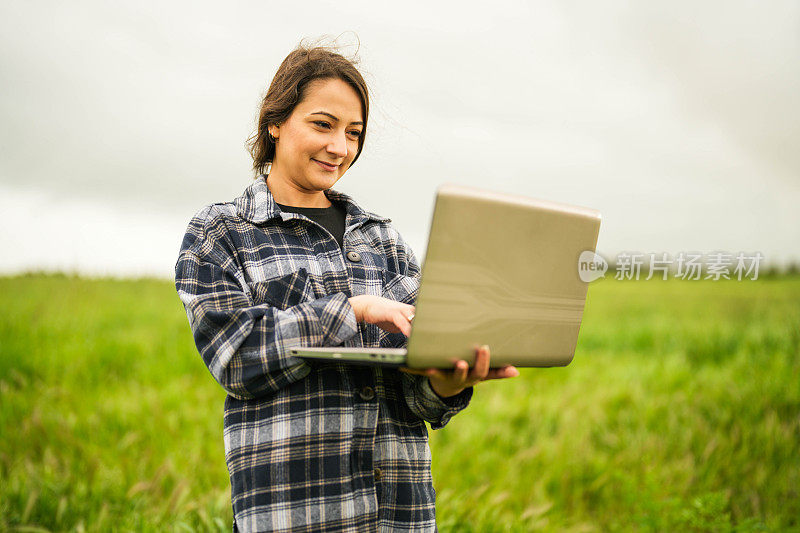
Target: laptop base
(391, 357)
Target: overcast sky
(679, 121)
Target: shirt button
(367, 393)
(378, 474)
(355, 257)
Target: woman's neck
(286, 193)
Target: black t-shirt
(331, 218)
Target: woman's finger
(438, 374)
(461, 371)
(402, 323)
(504, 372)
(481, 363)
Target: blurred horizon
(678, 122)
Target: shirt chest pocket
(284, 291)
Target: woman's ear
(274, 130)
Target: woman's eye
(322, 124)
(355, 133)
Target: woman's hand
(451, 382)
(389, 315)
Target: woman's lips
(326, 166)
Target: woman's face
(319, 140)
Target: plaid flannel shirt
(309, 446)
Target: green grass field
(680, 412)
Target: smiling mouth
(326, 166)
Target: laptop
(500, 270)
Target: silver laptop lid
(501, 270)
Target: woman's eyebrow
(334, 117)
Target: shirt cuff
(337, 319)
(460, 400)
(427, 405)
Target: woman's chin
(325, 182)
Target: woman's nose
(338, 145)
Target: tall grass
(109, 419)
(680, 412)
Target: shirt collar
(257, 205)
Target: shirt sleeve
(420, 397)
(246, 346)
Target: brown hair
(302, 66)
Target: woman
(313, 447)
